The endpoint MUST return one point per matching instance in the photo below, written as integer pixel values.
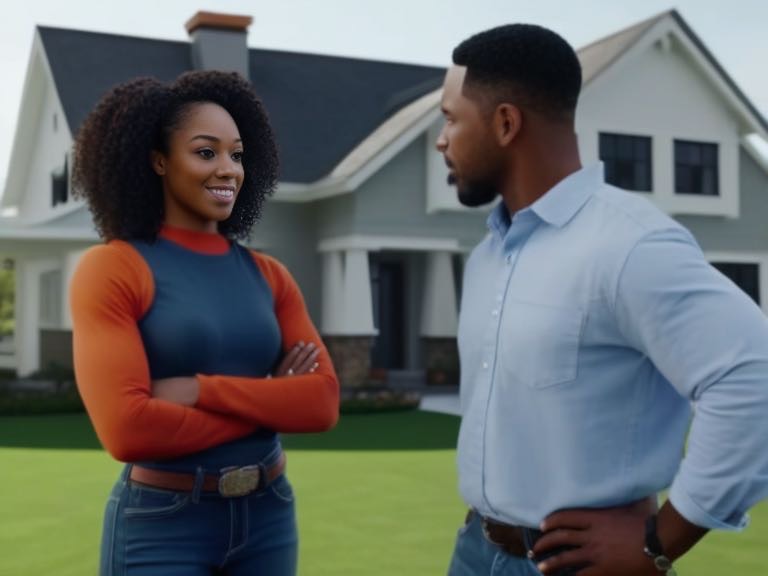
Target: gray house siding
(393, 203)
(747, 233)
(288, 232)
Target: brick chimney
(219, 41)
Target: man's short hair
(522, 64)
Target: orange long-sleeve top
(193, 304)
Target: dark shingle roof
(321, 107)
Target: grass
(376, 496)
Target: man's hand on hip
(607, 542)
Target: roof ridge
(638, 26)
(43, 27)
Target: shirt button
(485, 365)
(495, 313)
(499, 297)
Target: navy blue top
(211, 314)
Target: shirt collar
(202, 242)
(561, 202)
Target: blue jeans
(473, 555)
(154, 532)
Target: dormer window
(696, 168)
(746, 275)
(627, 161)
(60, 185)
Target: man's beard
(477, 193)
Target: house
(363, 216)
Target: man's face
(466, 143)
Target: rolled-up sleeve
(710, 341)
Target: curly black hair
(112, 169)
(525, 64)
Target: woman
(190, 349)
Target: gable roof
(599, 55)
(309, 97)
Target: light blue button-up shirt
(590, 324)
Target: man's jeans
(475, 556)
(154, 532)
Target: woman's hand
(301, 359)
(180, 390)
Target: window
(745, 275)
(627, 161)
(696, 169)
(60, 185)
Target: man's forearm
(676, 534)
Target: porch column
(439, 320)
(70, 263)
(358, 304)
(347, 322)
(439, 317)
(27, 312)
(333, 293)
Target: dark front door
(387, 284)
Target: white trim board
(378, 243)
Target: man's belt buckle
(239, 481)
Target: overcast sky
(415, 31)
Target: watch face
(662, 563)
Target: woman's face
(202, 172)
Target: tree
(7, 295)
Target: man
(590, 323)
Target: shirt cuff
(695, 514)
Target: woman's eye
(206, 153)
(237, 156)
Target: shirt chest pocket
(539, 344)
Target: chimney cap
(202, 19)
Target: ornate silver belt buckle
(239, 482)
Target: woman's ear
(158, 162)
(507, 121)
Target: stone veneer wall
(351, 356)
(441, 360)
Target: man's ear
(507, 121)
(158, 162)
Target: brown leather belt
(519, 540)
(230, 483)
(509, 538)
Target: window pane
(708, 182)
(682, 179)
(696, 170)
(745, 275)
(627, 160)
(607, 146)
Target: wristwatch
(653, 548)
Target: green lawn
(377, 496)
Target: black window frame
(746, 275)
(60, 185)
(697, 168)
(628, 160)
